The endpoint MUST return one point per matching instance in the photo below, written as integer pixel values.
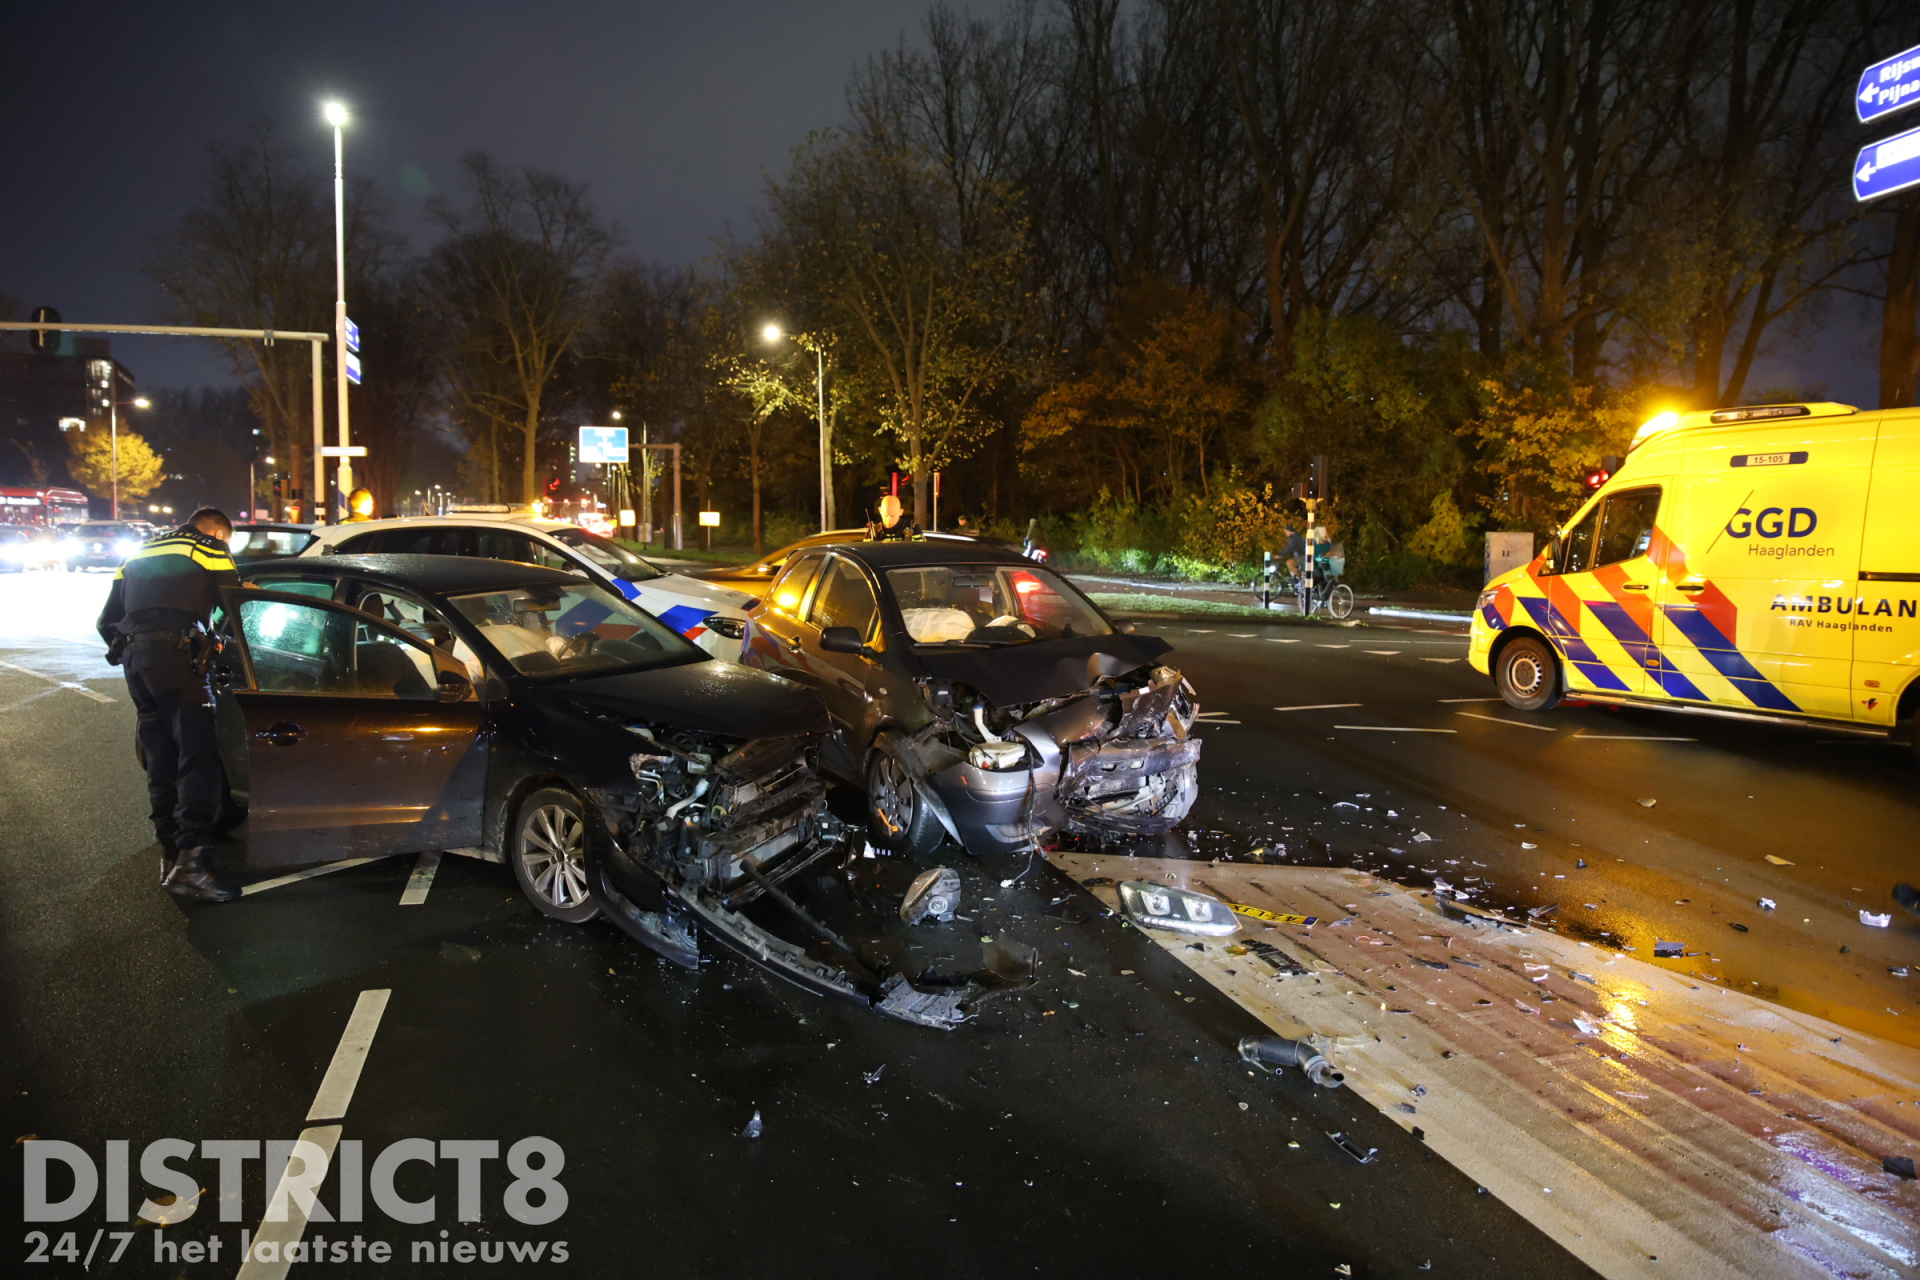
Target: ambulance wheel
(1527, 675)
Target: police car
(713, 617)
(1760, 561)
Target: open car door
(349, 737)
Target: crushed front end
(1116, 760)
(715, 836)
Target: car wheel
(1527, 676)
(548, 853)
(1340, 600)
(897, 816)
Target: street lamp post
(253, 487)
(113, 430)
(336, 115)
(772, 333)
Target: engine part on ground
(1274, 1054)
(1165, 906)
(935, 893)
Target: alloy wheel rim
(553, 851)
(888, 795)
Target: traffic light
(46, 341)
(1316, 485)
(1599, 475)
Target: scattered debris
(1549, 909)
(1270, 917)
(1742, 928)
(1667, 949)
(1898, 971)
(1421, 837)
(1900, 1165)
(1873, 921)
(1274, 1054)
(1586, 1028)
(458, 951)
(1768, 904)
(1154, 906)
(1778, 862)
(1280, 961)
(1579, 864)
(934, 892)
(1527, 845)
(1348, 1145)
(1648, 804)
(873, 1076)
(754, 1126)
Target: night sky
(672, 112)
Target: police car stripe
(683, 617)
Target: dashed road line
(1625, 737)
(1323, 706)
(421, 880)
(294, 877)
(1382, 653)
(1390, 728)
(1439, 659)
(1332, 646)
(1473, 700)
(1518, 724)
(285, 1220)
(1241, 635)
(1283, 639)
(77, 687)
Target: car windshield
(105, 531)
(259, 544)
(606, 553)
(990, 604)
(571, 630)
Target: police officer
(156, 626)
(894, 525)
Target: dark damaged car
(981, 697)
(377, 705)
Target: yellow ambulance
(1761, 561)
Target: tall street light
(773, 334)
(113, 419)
(336, 115)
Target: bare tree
(512, 287)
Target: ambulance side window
(1626, 528)
(1578, 546)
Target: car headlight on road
(998, 755)
(125, 547)
(1487, 598)
(69, 547)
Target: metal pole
(826, 453)
(678, 545)
(113, 416)
(646, 488)
(316, 514)
(340, 300)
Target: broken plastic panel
(1165, 906)
(934, 892)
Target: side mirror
(845, 640)
(1125, 626)
(453, 687)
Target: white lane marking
(1219, 722)
(1333, 646)
(293, 1193)
(1439, 659)
(1209, 715)
(1279, 640)
(1625, 737)
(1241, 635)
(1193, 631)
(1540, 728)
(1323, 706)
(1473, 699)
(1388, 728)
(343, 1073)
(421, 880)
(1381, 653)
(294, 877)
(56, 681)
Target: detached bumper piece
(1130, 786)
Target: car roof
(895, 555)
(274, 526)
(491, 521)
(435, 575)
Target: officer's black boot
(192, 878)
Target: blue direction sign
(1887, 166)
(1888, 85)
(603, 445)
(353, 368)
(353, 336)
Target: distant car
(710, 615)
(980, 696)
(102, 544)
(753, 579)
(25, 547)
(259, 540)
(388, 704)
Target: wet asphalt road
(1092, 1125)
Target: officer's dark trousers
(184, 775)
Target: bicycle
(1329, 593)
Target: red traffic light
(1597, 477)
